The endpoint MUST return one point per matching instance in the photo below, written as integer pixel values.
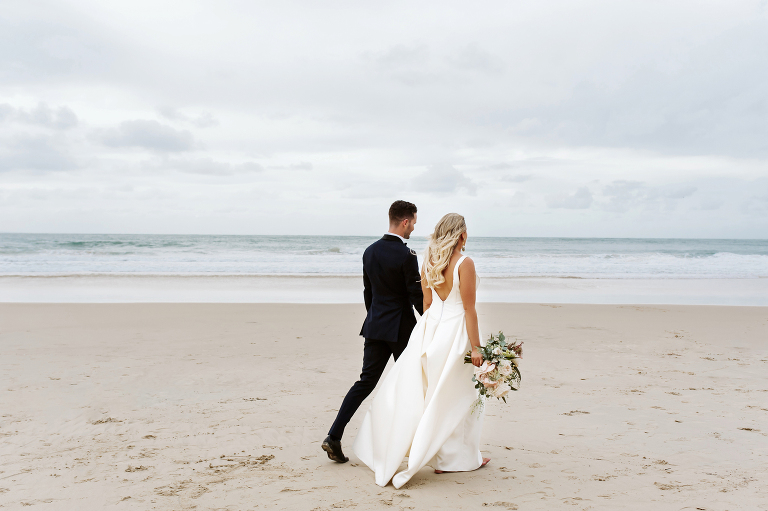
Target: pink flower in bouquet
(505, 368)
(487, 382)
(487, 367)
(483, 374)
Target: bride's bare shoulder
(467, 265)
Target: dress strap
(456, 268)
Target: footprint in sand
(505, 505)
(104, 421)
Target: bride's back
(444, 290)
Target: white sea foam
(70, 254)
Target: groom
(392, 288)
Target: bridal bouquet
(499, 373)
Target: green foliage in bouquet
(499, 373)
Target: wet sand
(128, 288)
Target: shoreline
(128, 288)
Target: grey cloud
(43, 153)
(624, 188)
(581, 199)
(701, 94)
(497, 166)
(401, 55)
(702, 100)
(528, 163)
(517, 178)
(756, 204)
(623, 195)
(204, 120)
(474, 58)
(518, 199)
(680, 193)
(711, 204)
(122, 188)
(6, 111)
(416, 65)
(713, 102)
(406, 65)
(209, 166)
(540, 161)
(304, 165)
(53, 42)
(366, 191)
(356, 185)
(443, 179)
(61, 118)
(149, 135)
(171, 113)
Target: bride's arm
(425, 291)
(468, 289)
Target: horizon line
(375, 235)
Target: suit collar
(393, 237)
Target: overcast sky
(532, 118)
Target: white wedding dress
(423, 409)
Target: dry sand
(200, 406)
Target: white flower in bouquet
(497, 351)
(505, 367)
(501, 390)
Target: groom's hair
(400, 210)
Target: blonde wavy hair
(440, 247)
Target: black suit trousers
(375, 357)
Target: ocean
(327, 269)
(614, 258)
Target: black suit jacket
(392, 285)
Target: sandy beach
(224, 406)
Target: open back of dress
(423, 409)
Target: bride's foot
(485, 462)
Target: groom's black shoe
(333, 448)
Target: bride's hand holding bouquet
(475, 357)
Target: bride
(424, 408)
